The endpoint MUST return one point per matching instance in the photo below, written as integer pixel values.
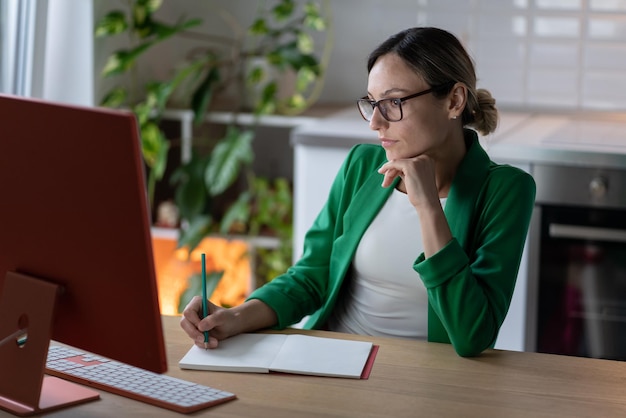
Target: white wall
(529, 53)
(67, 70)
(47, 50)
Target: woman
(422, 236)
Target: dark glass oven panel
(582, 284)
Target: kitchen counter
(578, 138)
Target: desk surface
(409, 378)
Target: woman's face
(425, 125)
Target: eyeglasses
(390, 109)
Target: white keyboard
(132, 382)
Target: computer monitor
(74, 215)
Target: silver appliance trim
(580, 186)
(587, 233)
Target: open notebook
(287, 353)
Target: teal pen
(205, 310)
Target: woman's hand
(223, 323)
(418, 178)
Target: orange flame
(174, 267)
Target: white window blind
(16, 47)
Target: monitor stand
(26, 313)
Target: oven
(577, 262)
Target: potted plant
(216, 191)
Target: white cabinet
(315, 169)
(319, 151)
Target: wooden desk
(408, 379)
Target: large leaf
(305, 43)
(313, 18)
(142, 14)
(264, 204)
(296, 102)
(204, 93)
(163, 31)
(124, 59)
(195, 287)
(272, 209)
(237, 213)
(290, 54)
(150, 5)
(157, 95)
(305, 77)
(155, 148)
(160, 162)
(283, 10)
(229, 155)
(256, 74)
(143, 111)
(195, 232)
(283, 196)
(152, 140)
(267, 102)
(191, 197)
(116, 97)
(259, 27)
(111, 24)
(193, 71)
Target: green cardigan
(469, 282)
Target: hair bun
(486, 115)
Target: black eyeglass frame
(396, 101)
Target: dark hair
(440, 59)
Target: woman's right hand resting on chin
(222, 323)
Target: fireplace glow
(174, 267)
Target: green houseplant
(279, 38)
(216, 191)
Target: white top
(384, 295)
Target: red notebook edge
(367, 369)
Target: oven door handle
(587, 233)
